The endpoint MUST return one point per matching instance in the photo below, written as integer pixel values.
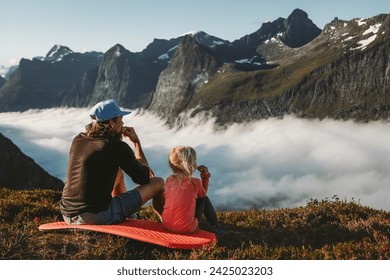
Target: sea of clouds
(269, 164)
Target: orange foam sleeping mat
(145, 231)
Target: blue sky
(30, 28)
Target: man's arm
(138, 151)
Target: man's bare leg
(153, 190)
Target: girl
(185, 196)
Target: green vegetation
(330, 229)
(318, 70)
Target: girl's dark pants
(204, 206)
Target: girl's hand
(203, 169)
(205, 176)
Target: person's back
(92, 170)
(180, 203)
(95, 192)
(185, 196)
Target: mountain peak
(300, 29)
(57, 52)
(117, 50)
(205, 39)
(298, 13)
(193, 32)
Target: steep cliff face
(122, 75)
(190, 68)
(80, 93)
(355, 86)
(355, 83)
(300, 30)
(18, 171)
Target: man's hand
(130, 132)
(139, 153)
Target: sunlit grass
(329, 229)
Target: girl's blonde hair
(182, 160)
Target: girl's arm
(205, 176)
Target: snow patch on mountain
(218, 42)
(373, 29)
(361, 21)
(168, 54)
(57, 53)
(364, 43)
(249, 61)
(192, 32)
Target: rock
(18, 171)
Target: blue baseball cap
(106, 110)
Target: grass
(330, 229)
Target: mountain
(57, 53)
(129, 77)
(295, 31)
(41, 83)
(190, 68)
(287, 66)
(18, 171)
(132, 78)
(2, 81)
(342, 74)
(349, 79)
(65, 78)
(180, 86)
(161, 49)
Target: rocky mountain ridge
(42, 82)
(131, 78)
(294, 31)
(343, 74)
(288, 66)
(18, 171)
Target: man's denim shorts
(121, 207)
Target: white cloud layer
(265, 164)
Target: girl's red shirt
(180, 202)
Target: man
(95, 191)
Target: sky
(265, 164)
(30, 28)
